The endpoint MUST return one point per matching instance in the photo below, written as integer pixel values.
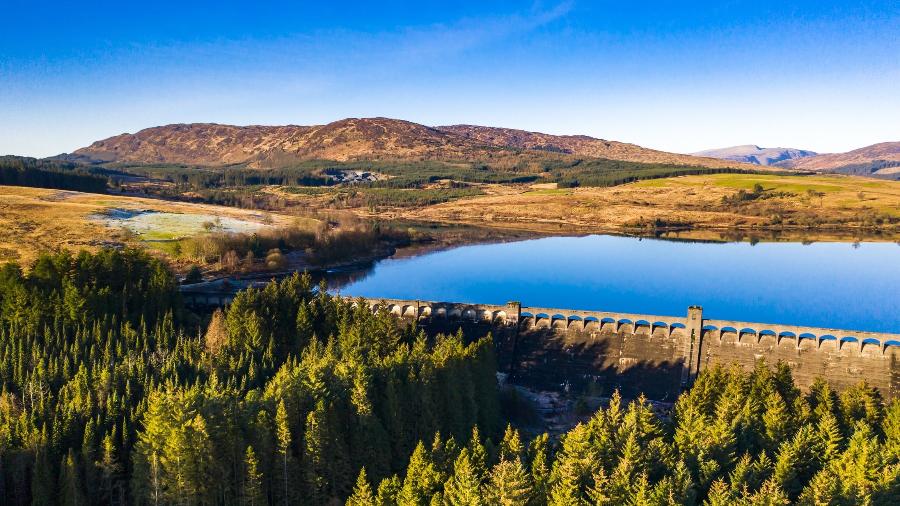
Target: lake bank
(710, 207)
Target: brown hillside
(210, 144)
(885, 151)
(581, 145)
(273, 146)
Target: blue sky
(679, 76)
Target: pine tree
(719, 495)
(829, 433)
(422, 479)
(362, 492)
(891, 429)
(305, 327)
(856, 466)
(777, 421)
(477, 454)
(110, 471)
(511, 445)
(677, 487)
(43, 488)
(823, 490)
(597, 493)
(88, 451)
(283, 445)
(388, 491)
(770, 494)
(253, 480)
(70, 491)
(797, 461)
(314, 457)
(566, 490)
(464, 487)
(509, 484)
(539, 468)
(861, 402)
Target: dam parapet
(658, 354)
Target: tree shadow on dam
(555, 359)
(574, 361)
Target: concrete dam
(654, 354)
(657, 355)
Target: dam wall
(655, 354)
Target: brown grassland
(36, 219)
(819, 207)
(842, 208)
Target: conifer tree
(797, 461)
(831, 441)
(861, 403)
(777, 421)
(510, 445)
(566, 489)
(770, 494)
(283, 445)
(422, 479)
(823, 490)
(477, 455)
(598, 494)
(388, 491)
(43, 486)
(720, 495)
(891, 429)
(110, 471)
(509, 484)
(362, 491)
(314, 457)
(464, 487)
(253, 480)
(539, 468)
(70, 491)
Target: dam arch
(623, 347)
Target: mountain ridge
(880, 159)
(753, 154)
(213, 144)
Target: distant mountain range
(881, 159)
(878, 160)
(750, 153)
(385, 139)
(207, 144)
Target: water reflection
(841, 285)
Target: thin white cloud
(424, 44)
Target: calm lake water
(820, 284)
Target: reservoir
(837, 285)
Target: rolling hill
(881, 160)
(207, 144)
(577, 145)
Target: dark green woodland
(112, 392)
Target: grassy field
(33, 219)
(704, 206)
(843, 193)
(816, 206)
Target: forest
(112, 392)
(735, 438)
(22, 171)
(541, 168)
